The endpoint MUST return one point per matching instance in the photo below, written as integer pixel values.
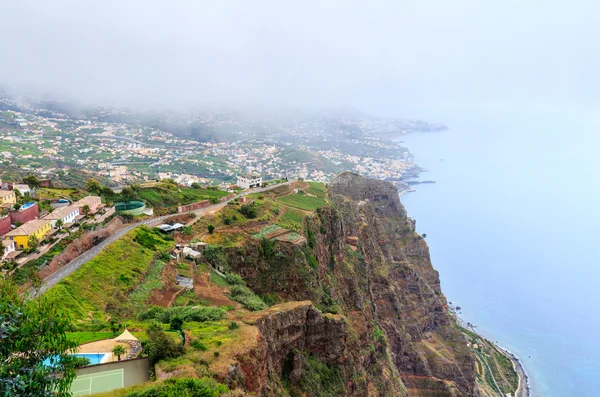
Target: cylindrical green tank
(130, 207)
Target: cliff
(378, 324)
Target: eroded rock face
(393, 335)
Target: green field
(292, 220)
(89, 336)
(302, 202)
(317, 189)
(161, 196)
(102, 285)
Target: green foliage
(215, 256)
(267, 247)
(245, 296)
(33, 243)
(378, 334)
(185, 313)
(302, 202)
(312, 261)
(250, 211)
(234, 279)
(102, 285)
(148, 238)
(265, 231)
(317, 189)
(233, 325)
(320, 379)
(176, 323)
(186, 231)
(152, 281)
(161, 346)
(311, 238)
(211, 229)
(32, 181)
(118, 351)
(31, 332)
(292, 220)
(196, 344)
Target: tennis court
(88, 384)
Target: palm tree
(118, 351)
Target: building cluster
(21, 225)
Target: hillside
(328, 291)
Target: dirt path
(210, 292)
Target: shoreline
(524, 388)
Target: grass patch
(317, 189)
(152, 281)
(102, 285)
(302, 202)
(292, 220)
(89, 336)
(266, 230)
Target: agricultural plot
(302, 202)
(317, 189)
(267, 230)
(292, 220)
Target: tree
(195, 185)
(85, 209)
(265, 184)
(33, 242)
(176, 323)
(16, 206)
(33, 331)
(424, 235)
(32, 181)
(114, 326)
(211, 229)
(118, 351)
(249, 210)
(160, 346)
(59, 224)
(92, 185)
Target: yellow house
(36, 227)
(7, 197)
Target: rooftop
(249, 176)
(28, 228)
(88, 200)
(61, 212)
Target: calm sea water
(513, 225)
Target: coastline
(523, 389)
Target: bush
(185, 313)
(196, 344)
(233, 325)
(181, 387)
(234, 279)
(247, 298)
(249, 210)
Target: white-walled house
(66, 214)
(8, 247)
(247, 181)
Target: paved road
(76, 263)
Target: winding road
(76, 263)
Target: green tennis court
(99, 382)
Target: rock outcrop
(390, 333)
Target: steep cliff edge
(391, 334)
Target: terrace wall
(5, 225)
(193, 206)
(26, 215)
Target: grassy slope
(302, 202)
(105, 281)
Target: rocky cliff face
(390, 333)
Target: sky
(392, 58)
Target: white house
(23, 188)
(8, 247)
(65, 214)
(247, 181)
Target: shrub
(234, 279)
(196, 344)
(233, 325)
(249, 210)
(247, 298)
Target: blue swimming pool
(27, 205)
(95, 358)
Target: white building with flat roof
(247, 181)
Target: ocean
(513, 226)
